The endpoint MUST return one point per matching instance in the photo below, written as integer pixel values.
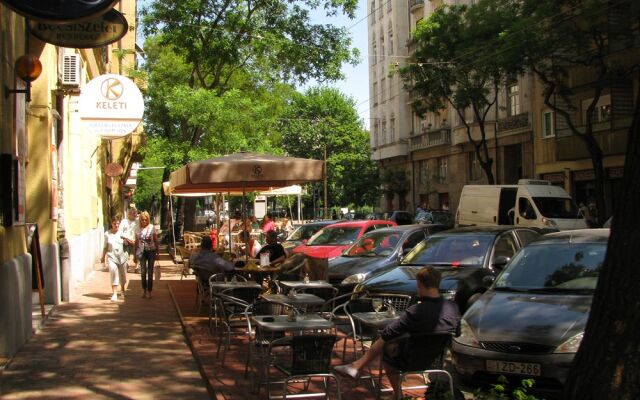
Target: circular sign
(95, 32)
(111, 106)
(60, 10)
(113, 169)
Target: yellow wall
(12, 240)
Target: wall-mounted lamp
(28, 68)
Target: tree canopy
(325, 117)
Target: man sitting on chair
(208, 260)
(431, 315)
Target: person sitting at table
(206, 259)
(255, 225)
(250, 243)
(275, 250)
(431, 315)
(268, 224)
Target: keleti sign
(111, 106)
(95, 32)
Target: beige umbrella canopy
(242, 171)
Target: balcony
(415, 4)
(612, 137)
(513, 123)
(433, 138)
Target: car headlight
(354, 279)
(571, 345)
(467, 336)
(549, 222)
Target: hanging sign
(90, 33)
(111, 106)
(60, 10)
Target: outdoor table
(233, 285)
(299, 285)
(281, 323)
(378, 321)
(300, 300)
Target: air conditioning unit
(70, 70)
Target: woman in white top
(147, 250)
(116, 258)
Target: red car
(331, 241)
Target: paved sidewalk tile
(95, 349)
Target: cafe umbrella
(242, 172)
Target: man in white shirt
(128, 229)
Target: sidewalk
(96, 349)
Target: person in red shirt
(267, 224)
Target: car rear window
(458, 250)
(334, 236)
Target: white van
(531, 203)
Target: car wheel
(473, 299)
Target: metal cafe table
(301, 285)
(300, 300)
(378, 321)
(220, 286)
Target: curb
(194, 353)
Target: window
(474, 167)
(375, 93)
(381, 10)
(442, 169)
(373, 12)
(374, 49)
(382, 52)
(392, 127)
(505, 246)
(525, 209)
(513, 99)
(376, 138)
(602, 112)
(383, 94)
(384, 130)
(424, 172)
(548, 127)
(390, 37)
(389, 5)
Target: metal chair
(400, 302)
(360, 333)
(228, 320)
(421, 355)
(184, 260)
(310, 358)
(202, 286)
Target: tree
(607, 365)
(445, 69)
(325, 117)
(560, 40)
(395, 181)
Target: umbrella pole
(173, 225)
(244, 217)
(229, 219)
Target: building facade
(56, 180)
(531, 141)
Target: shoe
(144, 295)
(149, 295)
(114, 297)
(348, 370)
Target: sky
(356, 82)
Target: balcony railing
(415, 3)
(514, 122)
(432, 138)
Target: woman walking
(116, 258)
(147, 250)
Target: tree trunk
(190, 213)
(607, 365)
(165, 212)
(599, 179)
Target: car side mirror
(500, 261)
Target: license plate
(518, 368)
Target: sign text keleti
(111, 106)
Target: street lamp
(28, 68)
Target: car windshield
(332, 236)
(456, 250)
(556, 207)
(374, 244)
(303, 232)
(556, 267)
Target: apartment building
(53, 169)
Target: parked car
(530, 203)
(465, 256)
(354, 216)
(530, 323)
(302, 233)
(332, 240)
(375, 252)
(441, 217)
